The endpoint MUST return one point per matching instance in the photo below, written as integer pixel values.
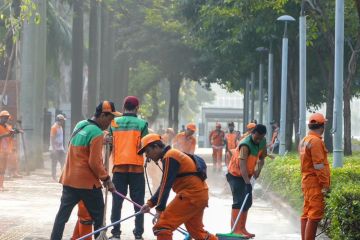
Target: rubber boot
(85, 227)
(303, 227)
(162, 236)
(311, 228)
(76, 233)
(243, 218)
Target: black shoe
(115, 237)
(137, 236)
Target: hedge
(343, 204)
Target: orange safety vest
(127, 132)
(255, 151)
(231, 140)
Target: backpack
(200, 167)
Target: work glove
(109, 185)
(145, 208)
(156, 217)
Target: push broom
(232, 235)
(106, 227)
(181, 230)
(102, 235)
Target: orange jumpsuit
(231, 143)
(189, 203)
(315, 172)
(217, 143)
(185, 143)
(6, 147)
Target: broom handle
(107, 153)
(183, 231)
(238, 216)
(106, 227)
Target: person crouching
(191, 192)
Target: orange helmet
(4, 113)
(191, 126)
(317, 118)
(251, 126)
(148, 139)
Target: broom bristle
(229, 236)
(102, 236)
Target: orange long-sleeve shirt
(315, 167)
(84, 166)
(217, 138)
(7, 142)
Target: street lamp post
(247, 105)
(252, 96)
(302, 73)
(284, 65)
(261, 50)
(270, 91)
(338, 84)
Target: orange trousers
(183, 210)
(314, 204)
(3, 163)
(84, 223)
(12, 163)
(217, 157)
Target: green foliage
(343, 204)
(343, 210)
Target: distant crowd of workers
(129, 142)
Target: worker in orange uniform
(84, 169)
(168, 136)
(6, 144)
(128, 170)
(246, 162)
(192, 193)
(57, 154)
(274, 144)
(13, 157)
(315, 172)
(249, 128)
(185, 141)
(217, 140)
(230, 141)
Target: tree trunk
(327, 72)
(77, 62)
(155, 105)
(352, 69)
(175, 83)
(294, 95)
(33, 77)
(107, 53)
(121, 79)
(93, 57)
(277, 87)
(289, 123)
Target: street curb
(282, 206)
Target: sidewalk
(29, 207)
